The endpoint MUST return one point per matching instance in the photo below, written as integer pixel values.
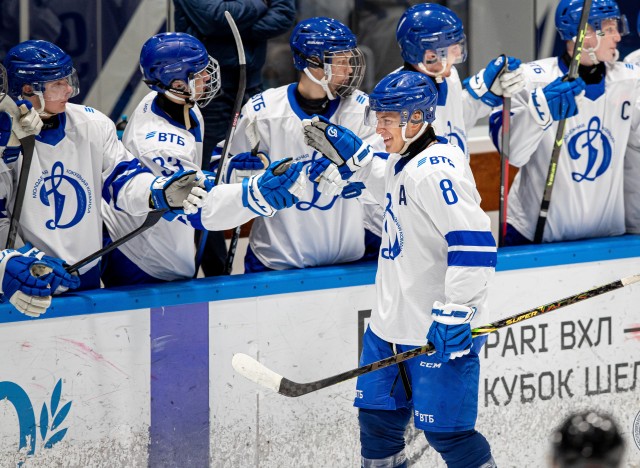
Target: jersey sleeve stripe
(120, 175)
(475, 238)
(472, 259)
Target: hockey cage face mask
(205, 84)
(344, 72)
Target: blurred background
(104, 37)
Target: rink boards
(143, 376)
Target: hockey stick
(557, 145)
(4, 83)
(254, 141)
(28, 144)
(504, 169)
(151, 220)
(258, 373)
(237, 107)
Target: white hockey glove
(503, 76)
(279, 187)
(21, 284)
(450, 331)
(244, 165)
(328, 177)
(169, 193)
(205, 182)
(345, 149)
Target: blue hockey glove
(502, 77)
(8, 139)
(556, 101)
(450, 332)
(58, 278)
(331, 179)
(275, 189)
(170, 193)
(337, 143)
(5, 128)
(243, 165)
(21, 285)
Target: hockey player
(432, 40)
(600, 127)
(332, 68)
(588, 438)
(437, 253)
(165, 131)
(26, 281)
(77, 160)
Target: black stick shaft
(504, 169)
(293, 389)
(237, 107)
(557, 145)
(151, 220)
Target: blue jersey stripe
(120, 175)
(476, 238)
(472, 259)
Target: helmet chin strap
(187, 104)
(324, 83)
(592, 52)
(437, 76)
(408, 141)
(41, 112)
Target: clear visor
(609, 27)
(453, 54)
(387, 119)
(205, 84)
(344, 70)
(58, 90)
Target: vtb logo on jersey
(64, 191)
(394, 234)
(591, 145)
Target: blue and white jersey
(74, 167)
(165, 251)
(318, 230)
(633, 57)
(587, 196)
(436, 245)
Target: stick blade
(256, 372)
(630, 280)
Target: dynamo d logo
(332, 132)
(593, 144)
(67, 192)
(52, 416)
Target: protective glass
(58, 90)
(453, 54)
(345, 70)
(612, 26)
(389, 119)
(205, 84)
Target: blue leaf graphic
(59, 418)
(44, 421)
(55, 438)
(55, 397)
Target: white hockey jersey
(437, 243)
(587, 196)
(74, 166)
(165, 251)
(633, 57)
(6, 200)
(318, 230)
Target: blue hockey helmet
(429, 26)
(175, 56)
(568, 17)
(405, 92)
(36, 63)
(321, 42)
